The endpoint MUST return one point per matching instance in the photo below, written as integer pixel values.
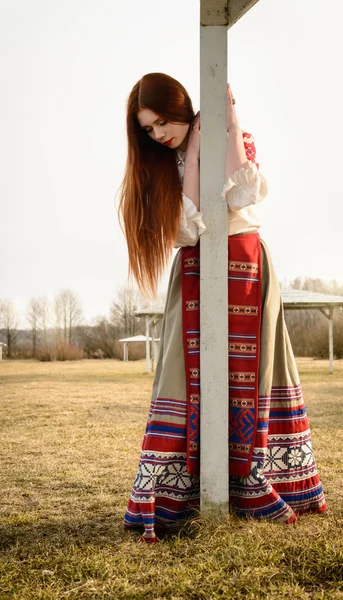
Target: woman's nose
(159, 135)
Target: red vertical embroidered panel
(244, 315)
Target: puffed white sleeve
(191, 224)
(245, 187)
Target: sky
(66, 70)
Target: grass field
(70, 439)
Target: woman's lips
(168, 142)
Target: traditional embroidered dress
(273, 472)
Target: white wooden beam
(237, 8)
(223, 12)
(213, 12)
(213, 260)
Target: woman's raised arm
(236, 158)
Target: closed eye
(161, 124)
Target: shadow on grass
(208, 550)
(99, 531)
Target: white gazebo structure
(151, 316)
(2, 345)
(138, 338)
(326, 303)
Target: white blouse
(244, 189)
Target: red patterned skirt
(273, 473)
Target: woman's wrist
(191, 159)
(234, 129)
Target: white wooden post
(329, 315)
(154, 353)
(216, 16)
(214, 409)
(331, 338)
(0, 352)
(147, 344)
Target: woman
(272, 468)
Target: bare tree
(122, 311)
(33, 317)
(74, 314)
(38, 316)
(44, 318)
(9, 322)
(99, 340)
(68, 314)
(317, 285)
(58, 312)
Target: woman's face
(172, 135)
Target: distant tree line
(56, 330)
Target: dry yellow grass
(70, 440)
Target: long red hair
(151, 195)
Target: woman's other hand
(231, 117)
(193, 145)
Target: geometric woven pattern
(298, 456)
(243, 347)
(163, 494)
(283, 476)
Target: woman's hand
(193, 144)
(231, 117)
